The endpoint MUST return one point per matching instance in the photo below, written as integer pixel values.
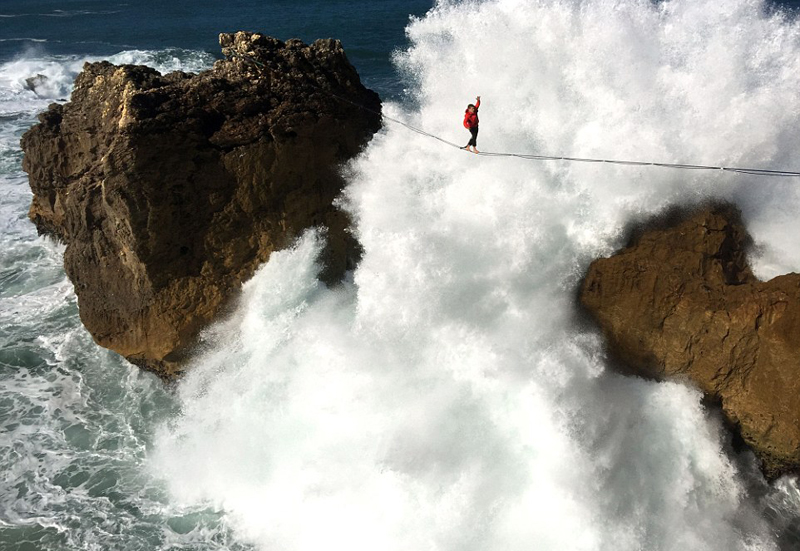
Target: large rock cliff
(681, 301)
(170, 190)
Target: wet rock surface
(170, 190)
(681, 302)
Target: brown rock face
(682, 301)
(170, 190)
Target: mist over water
(446, 397)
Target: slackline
(533, 157)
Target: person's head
(471, 107)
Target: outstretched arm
(477, 102)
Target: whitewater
(449, 395)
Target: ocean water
(447, 396)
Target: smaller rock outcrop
(34, 82)
(681, 301)
(170, 190)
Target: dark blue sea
(444, 399)
(369, 30)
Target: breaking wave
(446, 397)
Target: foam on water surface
(75, 421)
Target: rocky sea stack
(682, 302)
(170, 190)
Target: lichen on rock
(170, 190)
(682, 302)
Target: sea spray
(446, 398)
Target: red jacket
(471, 119)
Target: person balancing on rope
(471, 124)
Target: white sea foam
(166, 61)
(59, 13)
(446, 399)
(59, 72)
(74, 419)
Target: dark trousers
(473, 141)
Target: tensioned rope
(532, 157)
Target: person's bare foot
(475, 150)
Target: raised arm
(477, 102)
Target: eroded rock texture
(681, 301)
(170, 190)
